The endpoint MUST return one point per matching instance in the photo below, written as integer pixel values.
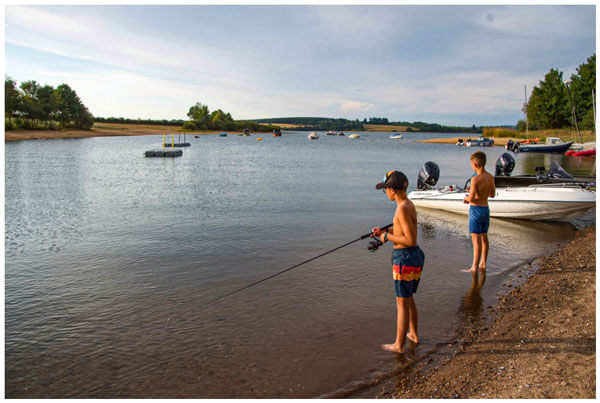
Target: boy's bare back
(482, 187)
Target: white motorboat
(353, 136)
(548, 201)
(554, 202)
(396, 136)
(313, 136)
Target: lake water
(113, 262)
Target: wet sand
(540, 342)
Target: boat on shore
(551, 145)
(479, 142)
(547, 201)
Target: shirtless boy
(407, 258)
(482, 187)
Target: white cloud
(354, 107)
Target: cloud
(354, 107)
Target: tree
(199, 113)
(548, 106)
(12, 98)
(582, 84)
(48, 104)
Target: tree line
(313, 123)
(554, 104)
(33, 106)
(138, 121)
(201, 118)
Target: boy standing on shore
(407, 258)
(482, 187)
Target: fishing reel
(374, 244)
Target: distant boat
(353, 136)
(258, 138)
(396, 136)
(313, 136)
(276, 133)
(245, 132)
(340, 133)
(331, 133)
(223, 134)
(480, 142)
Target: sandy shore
(540, 342)
(102, 131)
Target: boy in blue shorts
(407, 258)
(482, 187)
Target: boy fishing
(407, 259)
(482, 187)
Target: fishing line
(371, 248)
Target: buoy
(260, 138)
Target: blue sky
(455, 65)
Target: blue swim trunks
(407, 264)
(479, 219)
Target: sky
(453, 65)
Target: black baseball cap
(393, 179)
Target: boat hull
(544, 148)
(528, 203)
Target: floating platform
(178, 145)
(164, 153)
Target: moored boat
(551, 145)
(396, 136)
(331, 133)
(549, 201)
(313, 136)
(479, 142)
(353, 136)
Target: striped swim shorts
(407, 264)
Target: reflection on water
(472, 305)
(112, 259)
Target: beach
(99, 130)
(540, 342)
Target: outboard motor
(428, 176)
(505, 165)
(556, 171)
(509, 145)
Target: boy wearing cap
(482, 187)
(407, 258)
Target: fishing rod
(373, 246)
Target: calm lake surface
(112, 261)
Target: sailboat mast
(574, 113)
(526, 112)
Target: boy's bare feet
(414, 339)
(469, 270)
(393, 348)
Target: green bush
(189, 125)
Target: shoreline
(540, 341)
(106, 130)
